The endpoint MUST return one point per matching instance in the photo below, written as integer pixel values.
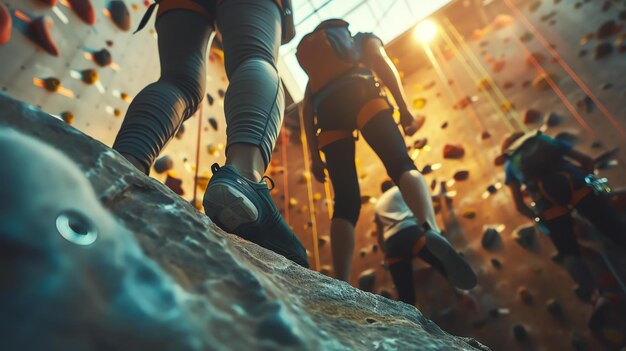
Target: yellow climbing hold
(419, 103)
(317, 197)
(293, 202)
(507, 106)
(484, 84)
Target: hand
(410, 124)
(317, 168)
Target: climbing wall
(79, 60)
(493, 69)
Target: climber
(251, 31)
(344, 95)
(401, 239)
(557, 187)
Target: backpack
(327, 53)
(536, 156)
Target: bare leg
(248, 160)
(417, 196)
(342, 247)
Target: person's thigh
(249, 28)
(384, 137)
(562, 235)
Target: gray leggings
(254, 101)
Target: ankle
(135, 162)
(247, 159)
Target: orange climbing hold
(52, 84)
(498, 66)
(82, 8)
(5, 24)
(89, 76)
(39, 31)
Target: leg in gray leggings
(254, 101)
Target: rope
(483, 70)
(195, 178)
(476, 78)
(565, 66)
(309, 186)
(555, 88)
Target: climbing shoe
(459, 272)
(245, 208)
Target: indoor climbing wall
(78, 60)
(493, 69)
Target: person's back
(393, 213)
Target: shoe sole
(228, 207)
(459, 272)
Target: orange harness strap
(168, 5)
(559, 210)
(369, 110)
(419, 245)
(330, 136)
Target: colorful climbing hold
(520, 333)
(163, 164)
(525, 295)
(502, 21)
(554, 307)
(603, 50)
(525, 236)
(541, 81)
(490, 239)
(419, 103)
(48, 2)
(499, 160)
(6, 23)
(496, 263)
(102, 57)
(462, 103)
(586, 104)
(484, 84)
(498, 66)
(68, 117)
(119, 14)
(84, 10)
(586, 38)
(420, 143)
(469, 214)
(213, 123)
(52, 84)
(39, 32)
(175, 184)
(531, 116)
(453, 151)
(461, 175)
(526, 37)
(117, 112)
(608, 29)
(89, 76)
(552, 119)
(534, 58)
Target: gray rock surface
(139, 268)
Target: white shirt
(393, 213)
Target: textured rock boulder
(98, 256)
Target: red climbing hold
(49, 2)
(5, 24)
(175, 184)
(461, 176)
(39, 30)
(531, 116)
(500, 160)
(84, 10)
(453, 151)
(120, 14)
